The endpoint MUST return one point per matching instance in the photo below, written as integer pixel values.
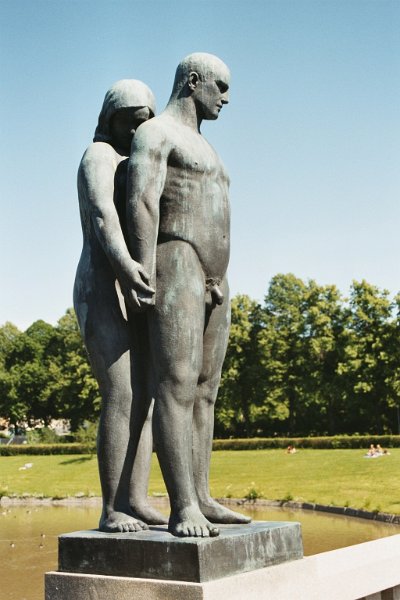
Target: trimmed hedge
(35, 449)
(321, 443)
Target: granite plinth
(156, 554)
(368, 571)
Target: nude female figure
(104, 296)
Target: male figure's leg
(215, 342)
(176, 334)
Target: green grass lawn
(340, 477)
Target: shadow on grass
(81, 459)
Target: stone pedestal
(153, 564)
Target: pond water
(28, 539)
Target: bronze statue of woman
(104, 294)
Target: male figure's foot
(120, 522)
(190, 522)
(148, 514)
(216, 513)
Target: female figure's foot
(190, 522)
(120, 522)
(216, 513)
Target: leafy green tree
(45, 374)
(368, 366)
(283, 341)
(326, 326)
(393, 375)
(241, 389)
(306, 362)
(8, 335)
(10, 406)
(26, 375)
(76, 392)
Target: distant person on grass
(376, 452)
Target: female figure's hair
(126, 93)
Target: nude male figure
(178, 230)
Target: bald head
(206, 66)
(201, 88)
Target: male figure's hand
(136, 289)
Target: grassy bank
(339, 477)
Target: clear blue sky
(311, 136)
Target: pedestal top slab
(155, 553)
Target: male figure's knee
(180, 382)
(208, 389)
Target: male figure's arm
(147, 170)
(96, 188)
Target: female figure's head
(127, 104)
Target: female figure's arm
(96, 181)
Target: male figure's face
(211, 94)
(124, 124)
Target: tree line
(306, 361)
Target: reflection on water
(28, 539)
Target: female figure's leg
(142, 413)
(108, 341)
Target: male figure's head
(205, 79)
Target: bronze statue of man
(178, 230)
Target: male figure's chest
(193, 156)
